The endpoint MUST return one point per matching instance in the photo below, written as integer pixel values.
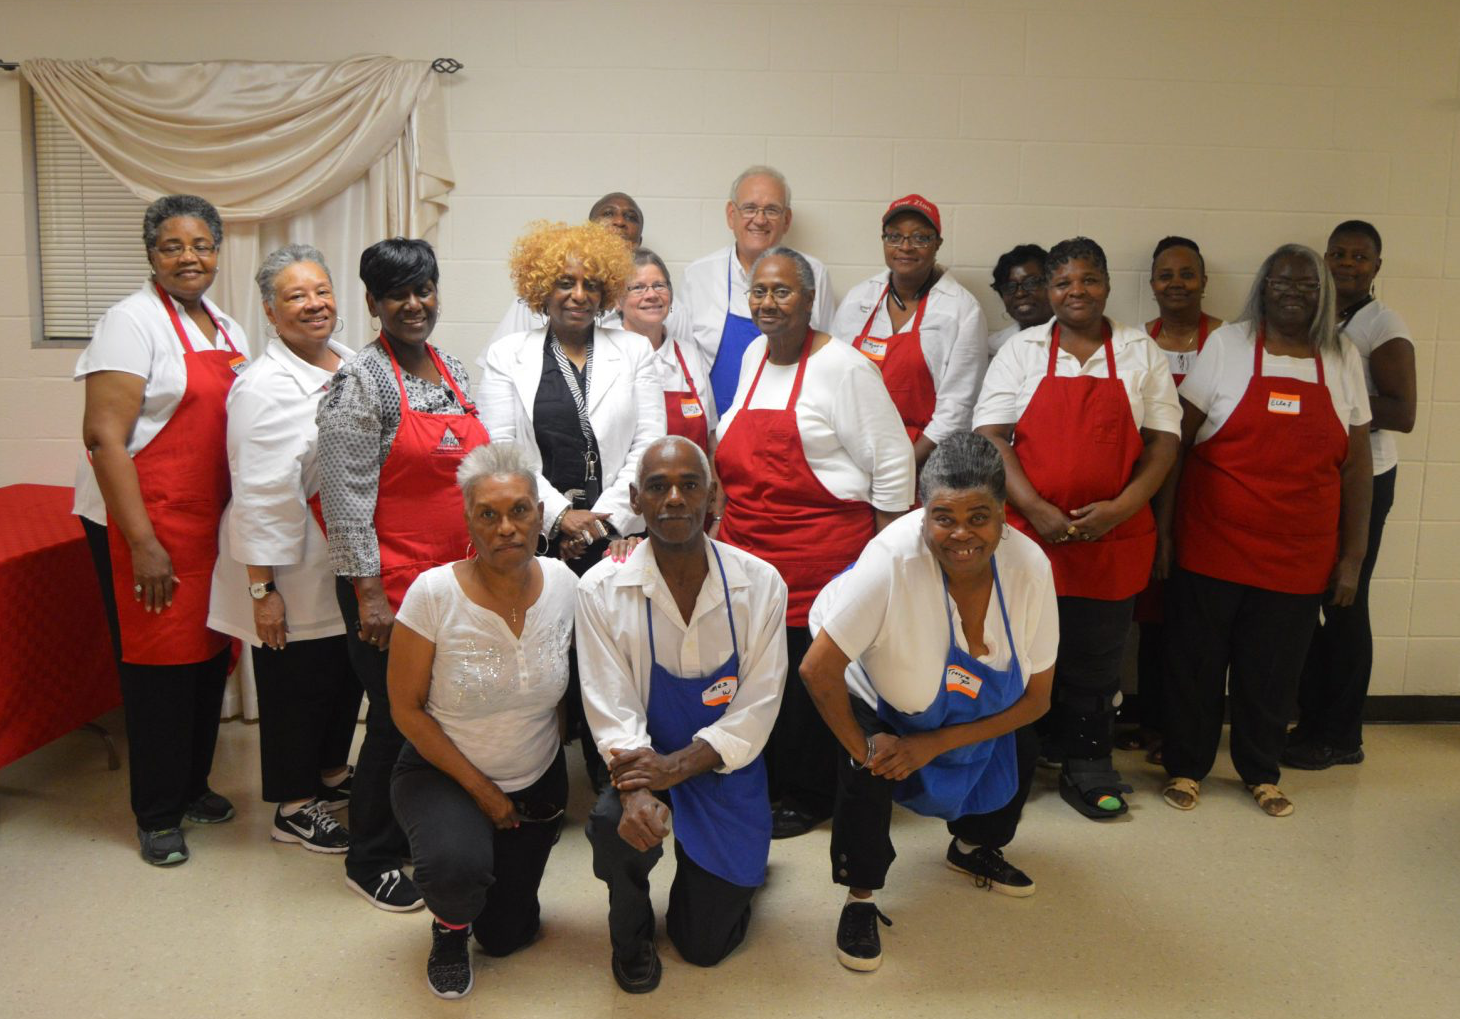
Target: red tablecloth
(56, 666)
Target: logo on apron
(720, 692)
(690, 407)
(959, 680)
(876, 350)
(449, 444)
(1283, 403)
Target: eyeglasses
(640, 289)
(1030, 285)
(919, 241)
(778, 294)
(536, 814)
(203, 250)
(1281, 285)
(770, 212)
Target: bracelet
(871, 749)
(557, 523)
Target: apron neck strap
(1003, 610)
(177, 326)
(725, 585)
(688, 378)
(400, 381)
(1257, 355)
(1108, 345)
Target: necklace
(514, 610)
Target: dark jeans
(801, 752)
(377, 843)
(1081, 718)
(707, 917)
(1335, 679)
(309, 701)
(467, 869)
(1261, 636)
(172, 714)
(861, 843)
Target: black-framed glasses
(1030, 285)
(917, 240)
(1282, 285)
(173, 250)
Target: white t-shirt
(1219, 381)
(496, 696)
(889, 614)
(952, 337)
(136, 336)
(1371, 327)
(1022, 363)
(706, 294)
(851, 433)
(997, 340)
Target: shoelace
(321, 817)
(866, 925)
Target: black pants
(468, 871)
(172, 714)
(1335, 679)
(377, 843)
(1261, 636)
(1081, 720)
(801, 752)
(708, 916)
(1151, 674)
(309, 700)
(861, 843)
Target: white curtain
(335, 155)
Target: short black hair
(170, 206)
(1081, 248)
(1359, 226)
(1166, 243)
(398, 262)
(1017, 255)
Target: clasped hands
(636, 774)
(897, 757)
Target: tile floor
(1350, 908)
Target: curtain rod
(441, 65)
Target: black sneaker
(858, 944)
(336, 796)
(448, 970)
(164, 847)
(1315, 756)
(311, 827)
(792, 822)
(210, 808)
(989, 869)
(393, 891)
(641, 974)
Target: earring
(375, 325)
(1005, 535)
(542, 544)
(339, 325)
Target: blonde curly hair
(542, 253)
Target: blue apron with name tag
(980, 777)
(722, 821)
(736, 335)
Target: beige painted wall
(1241, 123)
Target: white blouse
(704, 291)
(670, 375)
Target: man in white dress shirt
(682, 656)
(716, 287)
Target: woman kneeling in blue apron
(682, 659)
(932, 656)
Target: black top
(560, 437)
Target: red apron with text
(904, 368)
(1078, 444)
(776, 508)
(183, 474)
(1259, 500)
(685, 411)
(419, 521)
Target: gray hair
(171, 206)
(276, 262)
(960, 462)
(760, 170)
(804, 272)
(644, 256)
(673, 440)
(492, 460)
(1323, 333)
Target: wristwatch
(258, 592)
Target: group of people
(771, 559)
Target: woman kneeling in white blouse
(478, 666)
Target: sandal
(1271, 799)
(1182, 793)
(1094, 788)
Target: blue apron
(722, 821)
(735, 336)
(980, 777)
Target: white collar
(309, 377)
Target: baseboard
(1412, 708)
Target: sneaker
(641, 974)
(393, 891)
(336, 796)
(989, 869)
(164, 847)
(1315, 756)
(448, 970)
(312, 827)
(858, 944)
(210, 808)
(792, 822)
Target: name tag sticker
(959, 680)
(238, 363)
(875, 349)
(1283, 403)
(720, 692)
(690, 408)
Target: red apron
(904, 368)
(685, 411)
(1078, 444)
(419, 521)
(777, 509)
(1259, 500)
(183, 474)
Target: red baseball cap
(918, 204)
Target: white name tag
(959, 680)
(875, 349)
(691, 408)
(1283, 403)
(722, 691)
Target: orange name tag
(1283, 403)
(874, 349)
(690, 408)
(238, 362)
(720, 692)
(959, 680)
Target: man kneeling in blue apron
(932, 656)
(682, 657)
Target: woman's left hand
(1343, 583)
(620, 548)
(897, 757)
(1094, 521)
